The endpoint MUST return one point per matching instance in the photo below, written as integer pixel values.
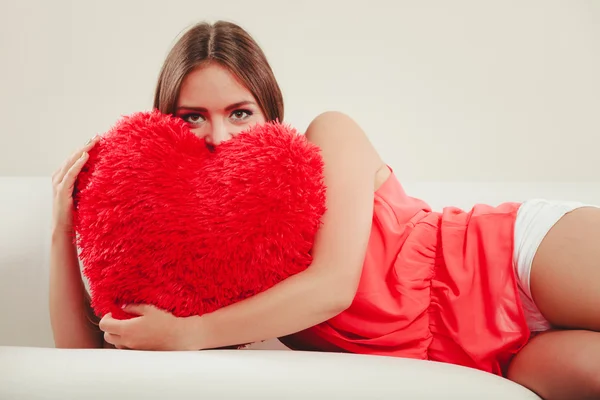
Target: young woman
(513, 290)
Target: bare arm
(70, 313)
(329, 285)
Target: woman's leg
(565, 286)
(560, 365)
(565, 274)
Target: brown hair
(230, 46)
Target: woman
(512, 290)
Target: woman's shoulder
(335, 125)
(339, 136)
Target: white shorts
(535, 218)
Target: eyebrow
(228, 108)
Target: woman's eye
(192, 118)
(241, 114)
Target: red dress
(435, 286)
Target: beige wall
(448, 90)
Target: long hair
(230, 46)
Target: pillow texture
(163, 219)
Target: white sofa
(30, 368)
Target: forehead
(212, 85)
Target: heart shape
(163, 219)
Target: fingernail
(92, 139)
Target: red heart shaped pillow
(162, 219)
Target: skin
(562, 364)
(217, 106)
(68, 309)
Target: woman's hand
(63, 182)
(152, 329)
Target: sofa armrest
(46, 373)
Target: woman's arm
(70, 312)
(329, 285)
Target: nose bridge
(218, 132)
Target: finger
(110, 325)
(137, 309)
(68, 181)
(113, 339)
(119, 342)
(59, 175)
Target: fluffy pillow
(163, 219)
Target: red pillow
(163, 219)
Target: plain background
(447, 90)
